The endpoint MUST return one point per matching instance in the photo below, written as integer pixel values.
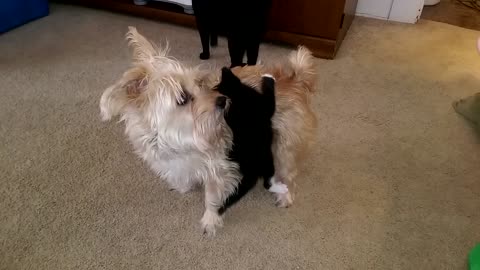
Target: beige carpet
(393, 184)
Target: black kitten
(249, 116)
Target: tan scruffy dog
(175, 121)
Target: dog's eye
(184, 98)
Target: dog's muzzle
(221, 102)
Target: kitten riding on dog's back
(249, 116)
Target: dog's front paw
(182, 188)
(210, 222)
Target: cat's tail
(303, 65)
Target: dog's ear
(128, 89)
(142, 49)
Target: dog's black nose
(221, 102)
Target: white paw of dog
(182, 189)
(210, 222)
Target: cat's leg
(268, 91)
(200, 8)
(267, 172)
(253, 46)
(236, 50)
(204, 37)
(213, 39)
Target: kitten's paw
(210, 222)
(268, 76)
(278, 188)
(275, 185)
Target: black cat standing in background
(243, 21)
(205, 14)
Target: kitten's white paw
(269, 76)
(277, 187)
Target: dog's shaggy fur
(173, 122)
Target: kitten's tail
(303, 65)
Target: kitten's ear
(129, 88)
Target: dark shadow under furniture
(320, 25)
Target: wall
(395, 10)
(406, 10)
(379, 9)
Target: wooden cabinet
(320, 25)
(308, 17)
